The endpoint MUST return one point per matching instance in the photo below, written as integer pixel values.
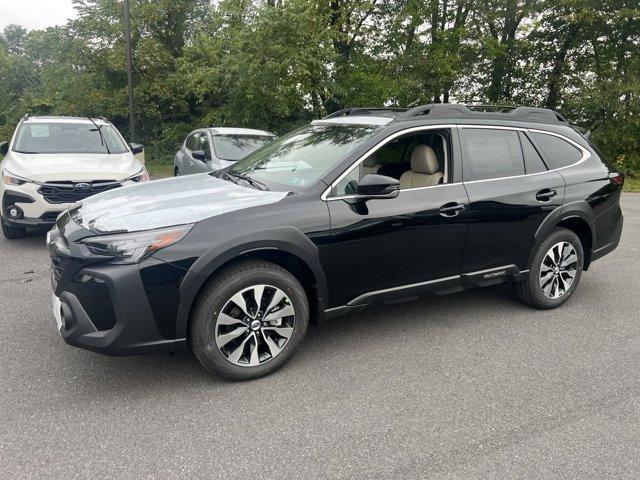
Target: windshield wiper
(99, 129)
(251, 181)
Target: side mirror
(136, 148)
(377, 186)
(199, 155)
(4, 148)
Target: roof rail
(364, 111)
(530, 114)
(448, 110)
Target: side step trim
(439, 286)
(404, 290)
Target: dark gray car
(209, 149)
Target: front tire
(249, 320)
(555, 269)
(12, 233)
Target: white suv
(53, 162)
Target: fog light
(14, 212)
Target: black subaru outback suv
(361, 207)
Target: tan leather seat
(424, 169)
(370, 165)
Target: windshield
(301, 157)
(236, 147)
(62, 137)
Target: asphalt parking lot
(473, 385)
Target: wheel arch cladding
(287, 247)
(577, 217)
(584, 231)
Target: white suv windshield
(63, 137)
(301, 157)
(236, 147)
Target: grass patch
(160, 170)
(632, 185)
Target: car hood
(163, 203)
(75, 167)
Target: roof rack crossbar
(531, 114)
(448, 110)
(489, 107)
(345, 112)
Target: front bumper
(35, 212)
(106, 308)
(47, 221)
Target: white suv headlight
(128, 248)
(141, 176)
(10, 179)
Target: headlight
(127, 248)
(142, 176)
(10, 179)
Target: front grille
(71, 192)
(59, 254)
(58, 264)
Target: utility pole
(127, 42)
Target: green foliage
(276, 64)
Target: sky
(35, 14)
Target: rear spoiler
(585, 132)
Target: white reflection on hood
(173, 201)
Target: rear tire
(12, 233)
(555, 269)
(176, 172)
(249, 320)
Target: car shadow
(162, 374)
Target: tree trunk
(559, 58)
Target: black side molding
(440, 286)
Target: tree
(276, 64)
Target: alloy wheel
(254, 325)
(558, 270)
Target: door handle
(452, 209)
(545, 195)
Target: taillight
(617, 178)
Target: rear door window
(558, 152)
(491, 153)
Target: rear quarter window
(532, 161)
(558, 152)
